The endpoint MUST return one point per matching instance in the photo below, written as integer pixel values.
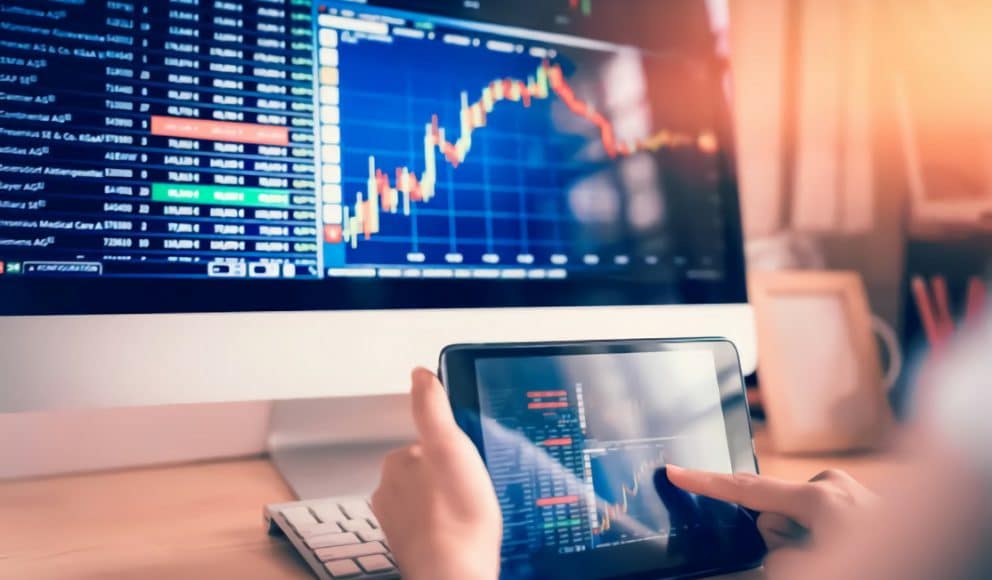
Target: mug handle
(888, 337)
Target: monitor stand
(335, 447)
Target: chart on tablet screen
(627, 503)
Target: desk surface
(205, 520)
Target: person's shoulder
(961, 398)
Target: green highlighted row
(218, 195)
(563, 523)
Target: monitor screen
(228, 155)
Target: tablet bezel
(458, 374)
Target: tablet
(576, 437)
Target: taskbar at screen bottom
(287, 270)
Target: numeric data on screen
(295, 139)
(157, 138)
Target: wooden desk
(205, 520)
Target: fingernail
(675, 468)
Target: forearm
(939, 536)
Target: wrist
(454, 563)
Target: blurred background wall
(865, 141)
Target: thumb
(431, 411)
(763, 494)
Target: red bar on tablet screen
(546, 394)
(548, 405)
(560, 500)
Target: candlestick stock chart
(462, 150)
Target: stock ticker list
(541, 479)
(158, 138)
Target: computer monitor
(268, 199)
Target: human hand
(794, 516)
(435, 501)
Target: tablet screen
(576, 443)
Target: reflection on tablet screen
(577, 444)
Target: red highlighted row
(546, 394)
(560, 500)
(186, 128)
(548, 405)
(557, 442)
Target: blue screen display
(401, 154)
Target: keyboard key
(356, 526)
(342, 568)
(372, 536)
(352, 551)
(299, 517)
(330, 540)
(318, 530)
(376, 563)
(328, 512)
(357, 509)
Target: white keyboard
(338, 537)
